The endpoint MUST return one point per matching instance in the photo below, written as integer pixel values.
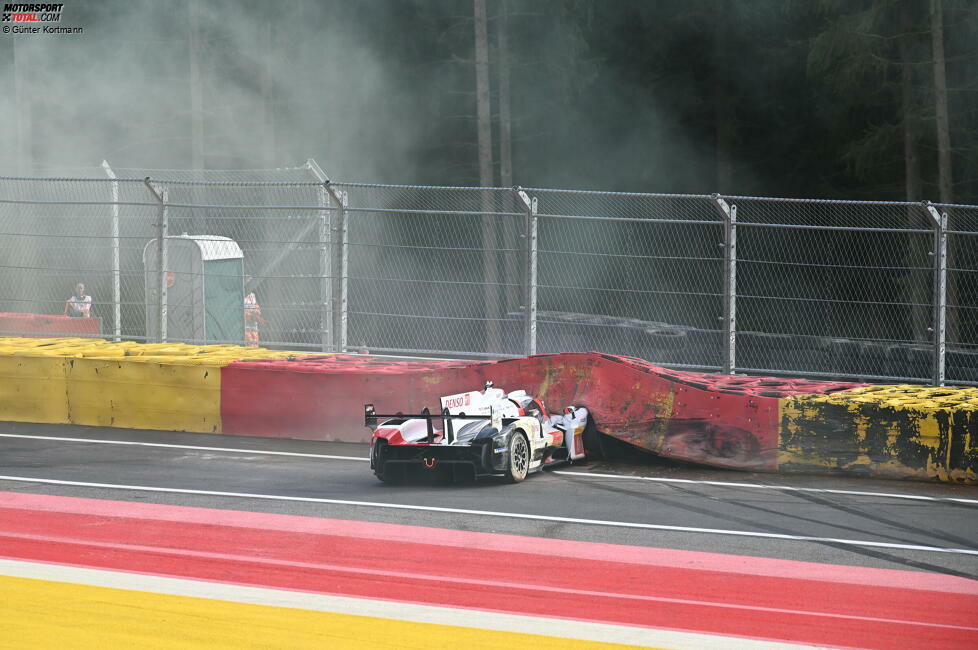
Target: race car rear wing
(372, 419)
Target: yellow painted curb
(44, 614)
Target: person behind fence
(79, 305)
(253, 317)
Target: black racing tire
(519, 457)
(613, 449)
(592, 440)
(376, 459)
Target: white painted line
(168, 446)
(762, 486)
(492, 513)
(394, 610)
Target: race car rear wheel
(377, 458)
(519, 457)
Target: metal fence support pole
(344, 271)
(325, 281)
(339, 272)
(530, 235)
(161, 255)
(325, 261)
(164, 248)
(729, 318)
(939, 328)
(116, 271)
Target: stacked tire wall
(900, 430)
(739, 422)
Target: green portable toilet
(204, 289)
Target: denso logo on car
(456, 401)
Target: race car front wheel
(519, 458)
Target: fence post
(530, 235)
(729, 215)
(339, 240)
(325, 261)
(325, 280)
(344, 269)
(939, 328)
(116, 271)
(161, 255)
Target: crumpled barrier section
(893, 430)
(759, 386)
(174, 387)
(713, 419)
(48, 324)
(751, 423)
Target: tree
(505, 116)
(724, 116)
(196, 87)
(945, 180)
(24, 107)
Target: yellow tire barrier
(146, 394)
(171, 386)
(902, 431)
(33, 389)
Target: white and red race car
(488, 433)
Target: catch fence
(847, 289)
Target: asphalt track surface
(639, 501)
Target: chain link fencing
(962, 292)
(59, 232)
(632, 274)
(835, 287)
(846, 289)
(435, 270)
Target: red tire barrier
(12, 324)
(715, 419)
